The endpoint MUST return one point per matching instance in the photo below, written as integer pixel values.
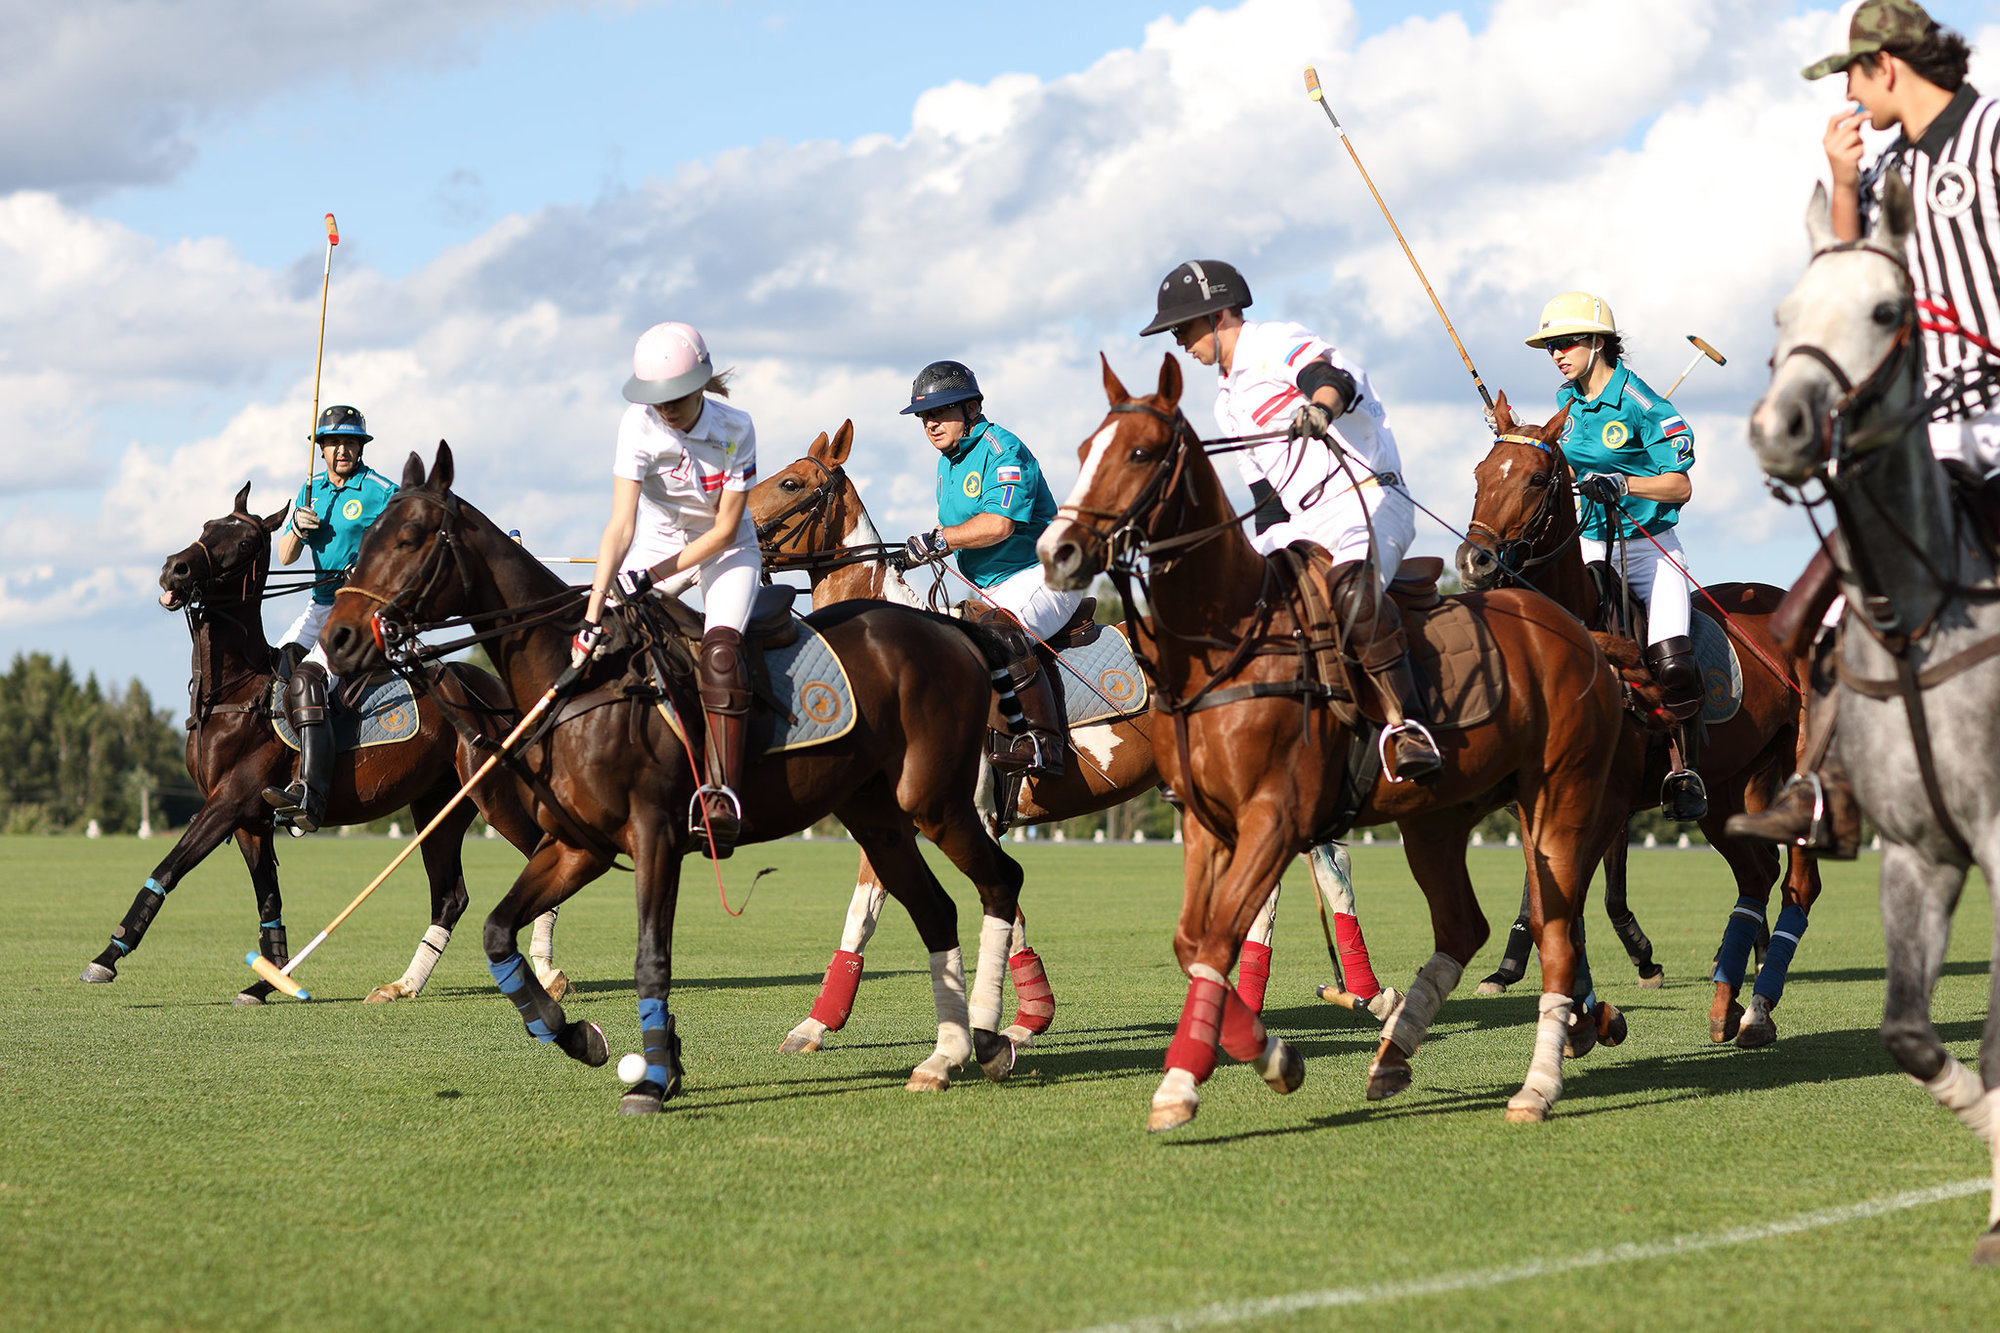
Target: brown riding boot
(1375, 630)
(1816, 809)
(303, 803)
(725, 703)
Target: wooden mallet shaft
(319, 357)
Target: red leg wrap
(1354, 965)
(836, 993)
(1193, 1046)
(1242, 1030)
(1253, 974)
(1034, 999)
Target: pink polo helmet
(670, 361)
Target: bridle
(391, 626)
(1836, 446)
(814, 509)
(1512, 554)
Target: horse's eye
(410, 534)
(790, 484)
(1886, 314)
(1140, 456)
(1538, 479)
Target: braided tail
(999, 654)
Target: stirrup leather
(1408, 726)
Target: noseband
(210, 576)
(1830, 432)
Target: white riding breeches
(305, 630)
(1028, 597)
(728, 580)
(1974, 442)
(1652, 580)
(1342, 522)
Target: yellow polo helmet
(1570, 315)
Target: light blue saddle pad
(814, 686)
(1721, 672)
(385, 714)
(1101, 679)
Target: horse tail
(1000, 649)
(1639, 692)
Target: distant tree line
(71, 753)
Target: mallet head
(332, 231)
(1708, 351)
(268, 970)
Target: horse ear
(1552, 429)
(242, 502)
(413, 472)
(441, 471)
(819, 448)
(1819, 220)
(1899, 216)
(276, 521)
(843, 442)
(1114, 388)
(1170, 381)
(1503, 415)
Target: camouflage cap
(1879, 25)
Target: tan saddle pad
(1463, 678)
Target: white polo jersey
(682, 476)
(1260, 393)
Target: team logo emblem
(821, 701)
(1616, 434)
(1951, 190)
(394, 720)
(1119, 687)
(971, 487)
(1715, 682)
(351, 510)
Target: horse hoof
(1021, 1037)
(933, 1075)
(1654, 980)
(798, 1043)
(554, 982)
(994, 1053)
(1612, 1029)
(1170, 1115)
(643, 1099)
(1582, 1038)
(1385, 1081)
(1492, 987)
(1757, 1028)
(585, 1042)
(1987, 1252)
(247, 1000)
(385, 994)
(1527, 1108)
(1290, 1070)
(1725, 1028)
(97, 974)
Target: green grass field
(168, 1161)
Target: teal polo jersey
(345, 513)
(1630, 429)
(993, 473)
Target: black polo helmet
(940, 384)
(341, 422)
(1198, 287)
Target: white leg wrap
(542, 947)
(994, 935)
(948, 989)
(1958, 1090)
(1176, 1088)
(864, 913)
(1264, 926)
(1436, 979)
(1018, 939)
(428, 950)
(1545, 1071)
(1333, 876)
(1207, 973)
(1272, 1062)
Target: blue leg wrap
(1746, 920)
(656, 1025)
(1778, 959)
(511, 975)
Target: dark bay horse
(616, 773)
(233, 753)
(1261, 773)
(810, 516)
(1524, 532)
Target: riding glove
(926, 547)
(634, 583)
(1605, 488)
(1310, 422)
(584, 646)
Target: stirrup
(1009, 760)
(1408, 726)
(700, 822)
(1681, 791)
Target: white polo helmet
(1570, 315)
(670, 361)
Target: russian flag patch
(1007, 472)
(1674, 426)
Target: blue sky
(836, 194)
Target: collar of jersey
(1939, 131)
(1612, 394)
(968, 440)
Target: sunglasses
(1555, 345)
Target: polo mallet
(515, 533)
(1702, 349)
(319, 357)
(1337, 993)
(281, 977)
(1313, 91)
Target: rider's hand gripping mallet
(1702, 349)
(325, 277)
(1313, 91)
(281, 978)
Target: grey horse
(1919, 678)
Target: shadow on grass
(1963, 968)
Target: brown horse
(1262, 773)
(1524, 532)
(615, 773)
(810, 516)
(233, 753)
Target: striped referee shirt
(1951, 172)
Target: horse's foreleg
(552, 874)
(216, 820)
(1333, 879)
(835, 1001)
(1434, 845)
(1755, 866)
(542, 956)
(656, 871)
(892, 856)
(258, 855)
(1514, 956)
(1034, 998)
(1617, 856)
(1801, 889)
(1253, 963)
(965, 841)
(444, 868)
(1983, 1118)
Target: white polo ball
(632, 1068)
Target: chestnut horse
(810, 516)
(615, 773)
(233, 753)
(1261, 775)
(1524, 532)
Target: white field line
(1239, 1312)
